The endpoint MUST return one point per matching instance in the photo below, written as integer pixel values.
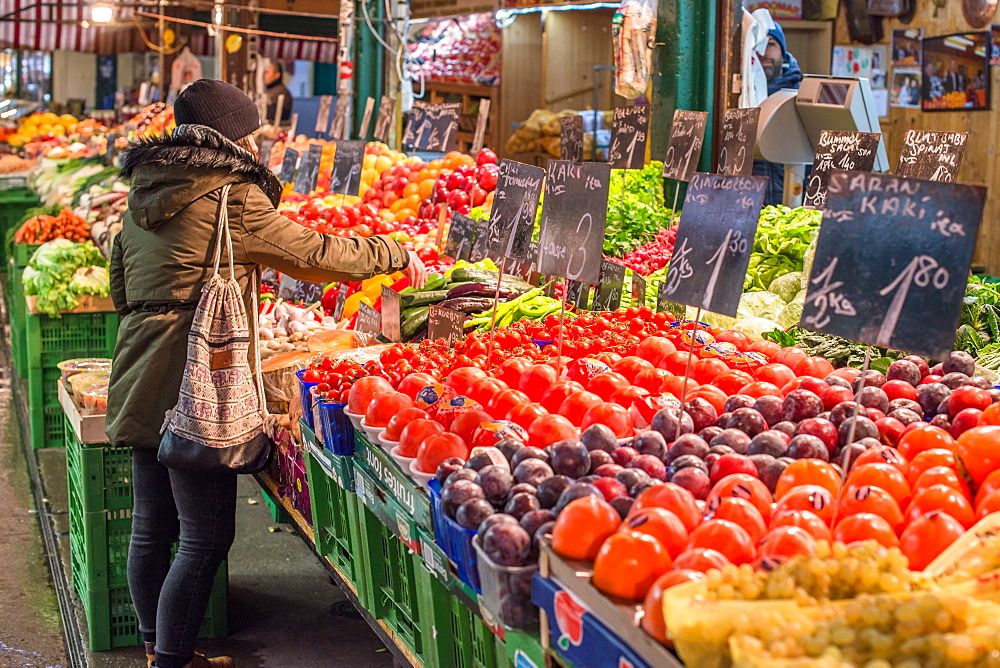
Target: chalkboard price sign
(525, 268)
(578, 294)
(444, 323)
(307, 292)
(266, 147)
(571, 138)
(662, 298)
(433, 127)
(288, 166)
(573, 217)
(628, 137)
(347, 162)
(390, 314)
(369, 320)
(737, 141)
(687, 136)
(932, 156)
(608, 296)
(338, 307)
(638, 289)
(305, 181)
(386, 108)
(461, 236)
(839, 150)
(323, 116)
(714, 241)
(903, 289)
(515, 204)
(338, 128)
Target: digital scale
(791, 122)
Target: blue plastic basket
(454, 539)
(338, 432)
(305, 397)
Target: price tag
(369, 320)
(578, 294)
(525, 269)
(892, 260)
(444, 323)
(608, 296)
(307, 292)
(484, 117)
(390, 314)
(347, 162)
(338, 307)
(288, 166)
(662, 298)
(932, 156)
(366, 119)
(839, 150)
(571, 138)
(628, 137)
(269, 277)
(338, 128)
(433, 127)
(323, 116)
(687, 136)
(461, 235)
(481, 245)
(286, 287)
(573, 217)
(305, 181)
(515, 204)
(714, 241)
(638, 289)
(293, 127)
(266, 147)
(738, 141)
(386, 108)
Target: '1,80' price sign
(714, 241)
(574, 213)
(891, 261)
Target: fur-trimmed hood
(171, 171)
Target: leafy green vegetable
(635, 216)
(783, 236)
(54, 275)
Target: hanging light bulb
(102, 13)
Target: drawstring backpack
(220, 419)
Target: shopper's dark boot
(150, 653)
(202, 661)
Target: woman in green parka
(161, 260)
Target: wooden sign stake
(562, 331)
(845, 462)
(687, 372)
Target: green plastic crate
(23, 253)
(46, 417)
(14, 293)
(98, 546)
(14, 204)
(455, 636)
(111, 620)
(334, 511)
(101, 475)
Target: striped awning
(275, 48)
(52, 25)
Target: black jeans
(171, 598)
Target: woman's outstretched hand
(416, 271)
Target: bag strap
(222, 231)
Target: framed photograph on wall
(956, 74)
(906, 47)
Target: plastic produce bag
(91, 281)
(786, 286)
(755, 327)
(633, 30)
(762, 304)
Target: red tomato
(817, 367)
(629, 367)
(652, 379)
(700, 560)
(363, 392)
(484, 390)
(769, 349)
(549, 429)
(505, 400)
(384, 407)
(462, 380)
(537, 379)
(576, 406)
(607, 383)
(704, 371)
(776, 374)
(928, 536)
(738, 339)
(790, 356)
(612, 415)
(655, 349)
(732, 381)
(628, 395)
(675, 386)
(944, 498)
(759, 389)
(400, 420)
(465, 424)
(558, 393)
(415, 433)
(968, 396)
(438, 448)
(847, 373)
(725, 537)
(899, 389)
(677, 363)
(865, 526)
(835, 394)
(524, 414)
(511, 369)
(711, 394)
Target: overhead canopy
(52, 25)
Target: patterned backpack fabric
(219, 421)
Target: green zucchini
(413, 323)
(422, 298)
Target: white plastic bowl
(404, 462)
(420, 476)
(373, 432)
(386, 444)
(355, 419)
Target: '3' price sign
(714, 242)
(892, 260)
(574, 213)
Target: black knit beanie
(220, 106)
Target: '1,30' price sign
(892, 260)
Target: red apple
(730, 464)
